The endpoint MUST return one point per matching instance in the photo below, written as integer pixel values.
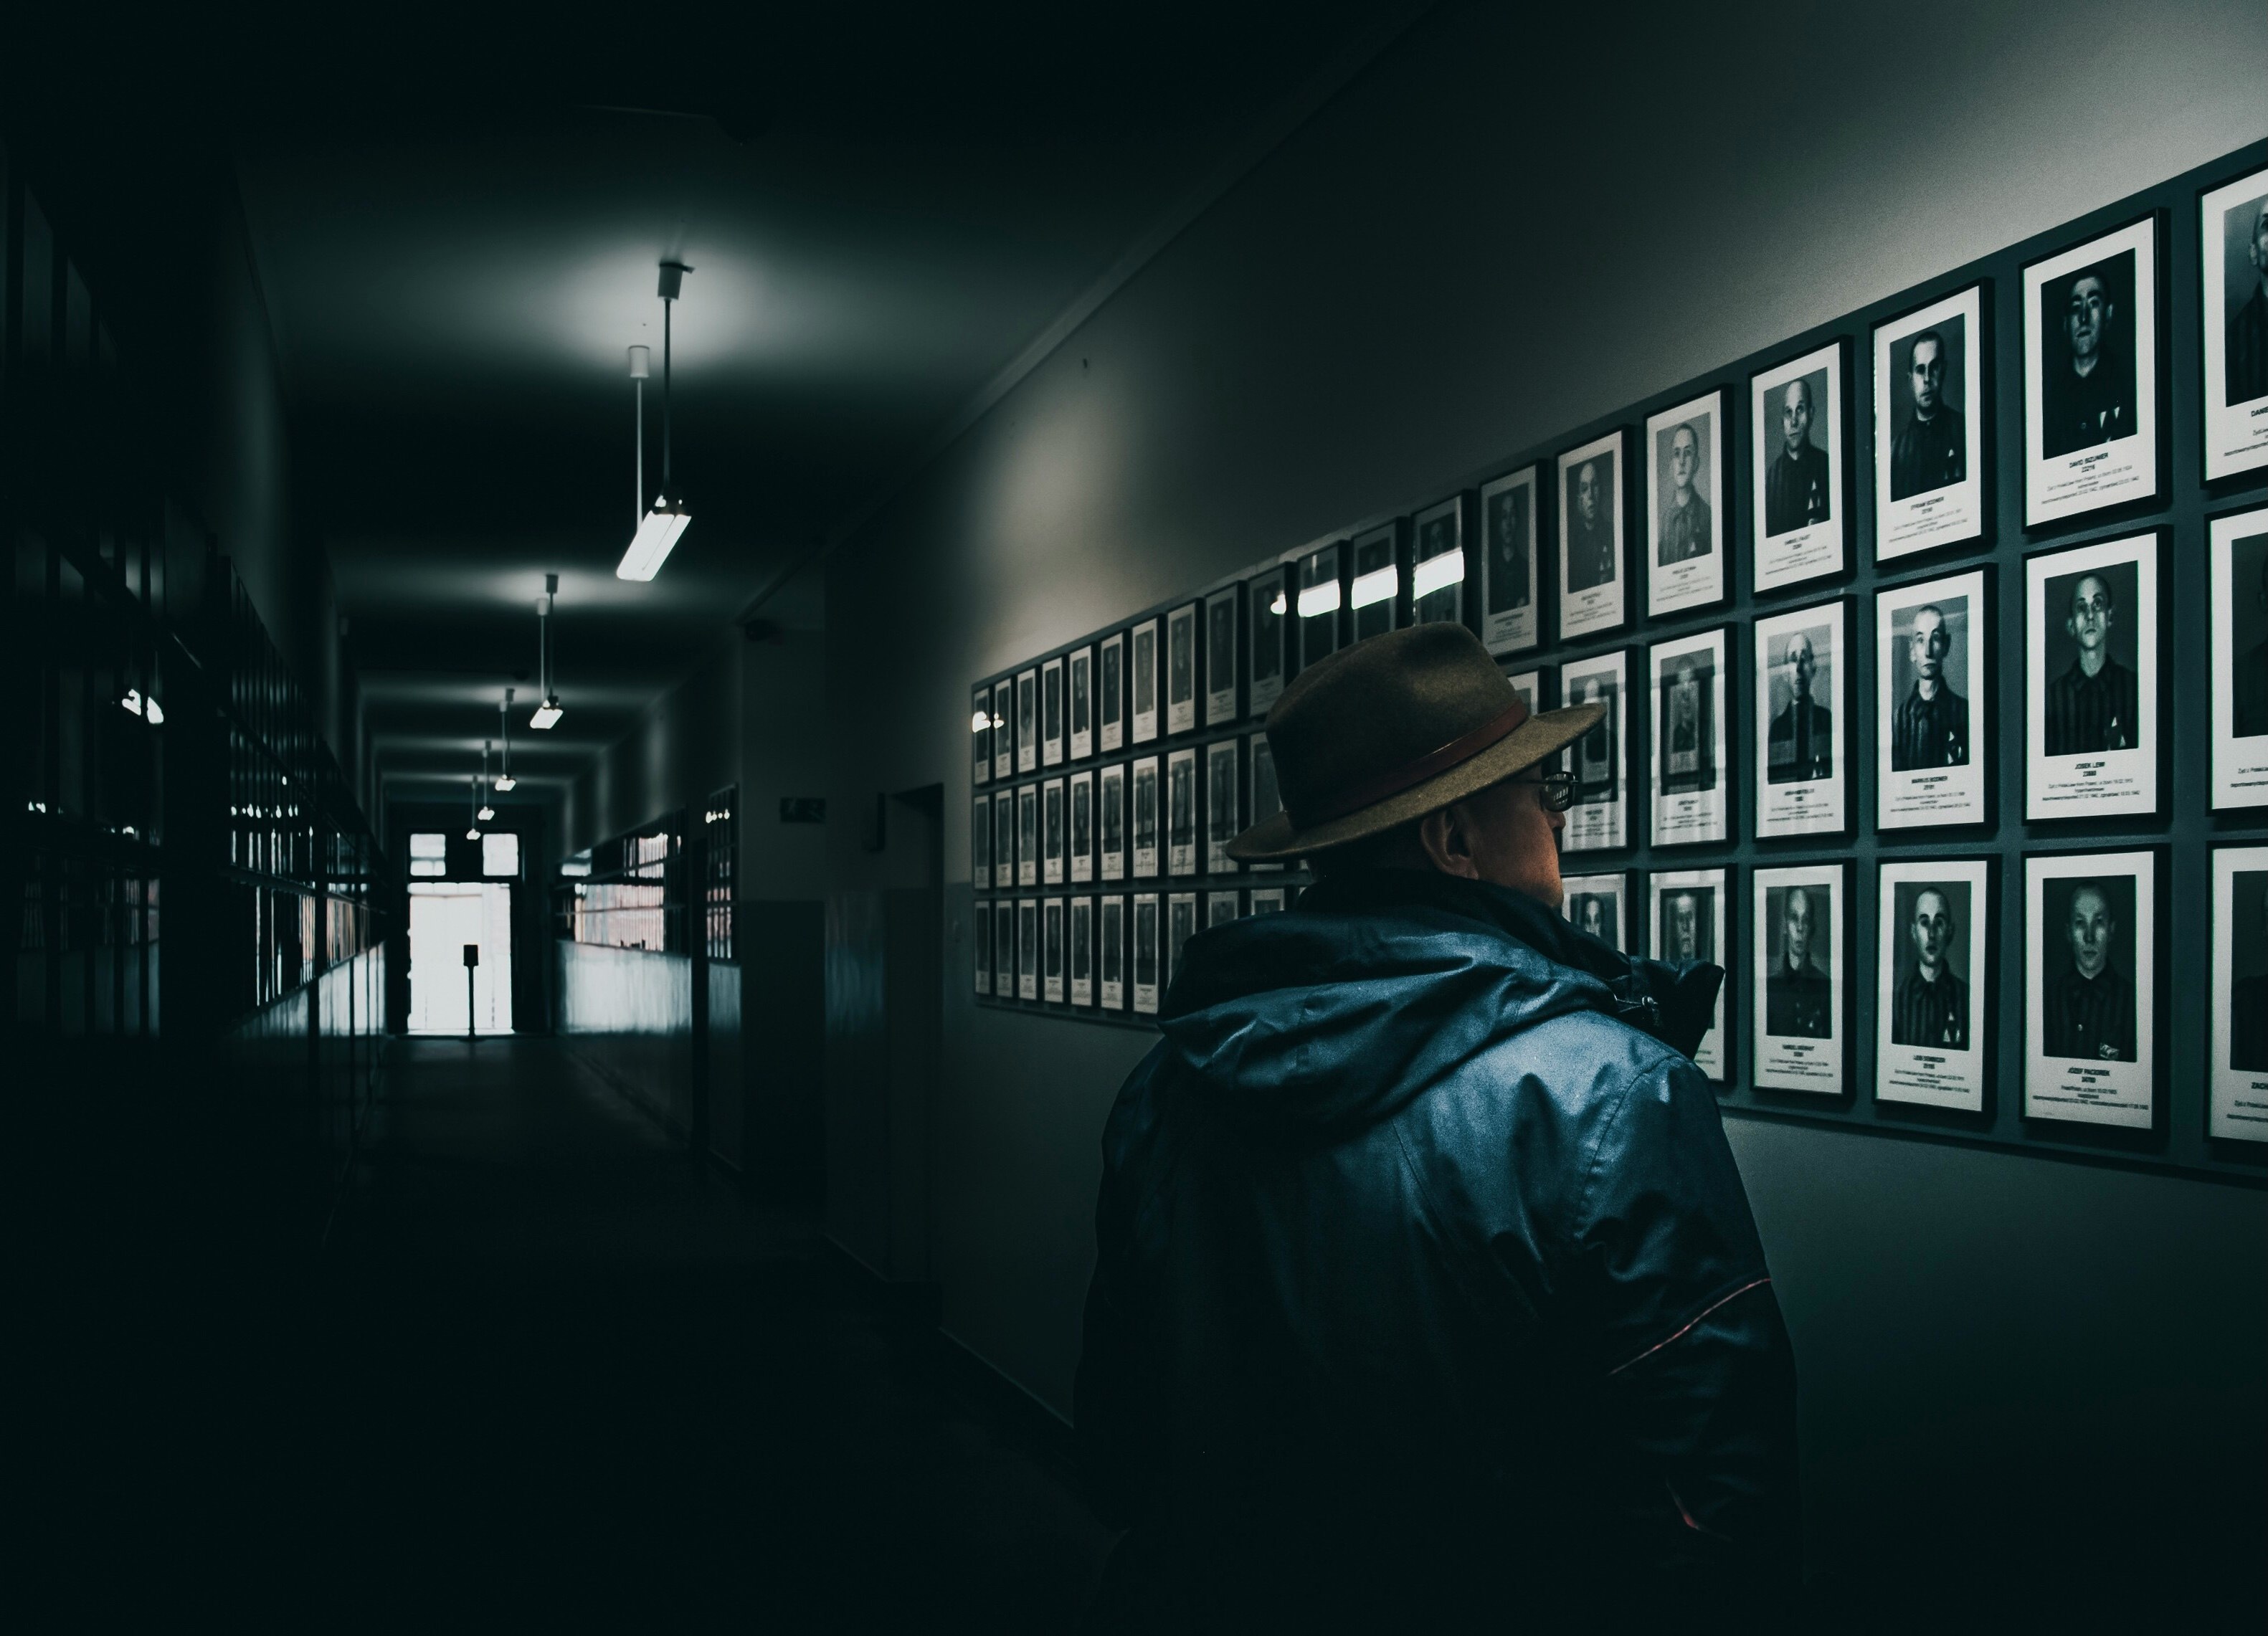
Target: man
(1932, 449)
(1931, 728)
(2089, 396)
(1684, 939)
(1684, 720)
(2249, 693)
(1685, 527)
(1591, 915)
(2094, 706)
(1798, 998)
(2090, 1008)
(1508, 585)
(1590, 533)
(1931, 1006)
(1801, 747)
(1426, 1292)
(1796, 488)
(2247, 361)
(1594, 768)
(2248, 1004)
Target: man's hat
(1391, 729)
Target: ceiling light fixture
(658, 530)
(548, 713)
(473, 823)
(486, 812)
(504, 780)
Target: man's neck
(1929, 973)
(1793, 967)
(2083, 368)
(2101, 973)
(2092, 660)
(1925, 416)
(1926, 688)
(1794, 449)
(1681, 497)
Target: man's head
(1800, 665)
(1586, 493)
(1507, 835)
(2086, 318)
(2090, 929)
(1796, 414)
(1931, 642)
(1926, 374)
(1795, 927)
(2088, 622)
(1932, 929)
(1684, 461)
(1684, 927)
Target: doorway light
(660, 526)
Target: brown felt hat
(1391, 729)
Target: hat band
(1410, 773)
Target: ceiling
(458, 238)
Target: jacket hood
(1382, 982)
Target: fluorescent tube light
(487, 813)
(656, 536)
(506, 781)
(1319, 598)
(1437, 573)
(133, 704)
(1375, 586)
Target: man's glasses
(1554, 791)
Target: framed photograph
(2091, 680)
(1052, 950)
(1691, 800)
(1267, 800)
(2090, 1011)
(981, 947)
(1144, 710)
(1321, 596)
(1802, 705)
(1051, 832)
(1224, 617)
(1003, 948)
(1181, 926)
(1932, 983)
(1269, 611)
(1051, 713)
(980, 730)
(1600, 819)
(2237, 560)
(1508, 558)
(1082, 827)
(1027, 835)
(1267, 900)
(1181, 669)
(1003, 728)
(1929, 426)
(2091, 375)
(1145, 818)
(1685, 491)
(2239, 1107)
(1220, 908)
(1691, 917)
(1181, 813)
(1028, 948)
(1437, 565)
(1080, 670)
(980, 843)
(1598, 906)
(1802, 504)
(1027, 721)
(1082, 951)
(1110, 795)
(1529, 685)
(1591, 573)
(1147, 985)
(1004, 840)
(1931, 749)
(1110, 693)
(2233, 222)
(1110, 953)
(1803, 1005)
(1222, 818)
(1374, 596)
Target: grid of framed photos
(1895, 621)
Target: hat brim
(1279, 838)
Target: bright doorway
(443, 917)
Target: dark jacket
(1426, 1291)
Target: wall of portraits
(1896, 660)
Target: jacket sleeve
(1685, 1337)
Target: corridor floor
(579, 1382)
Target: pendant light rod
(659, 528)
(547, 710)
(641, 366)
(504, 780)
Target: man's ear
(1441, 832)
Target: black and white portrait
(1181, 813)
(980, 730)
(1528, 686)
(1181, 669)
(2090, 376)
(1110, 953)
(981, 947)
(1110, 693)
(1933, 980)
(1929, 428)
(1267, 800)
(1028, 948)
(1051, 945)
(1222, 616)
(1081, 670)
(1181, 926)
(1688, 911)
(1051, 830)
(1052, 722)
(1222, 824)
(2237, 554)
(1144, 709)
(2092, 692)
(1375, 595)
(2238, 1066)
(1931, 722)
(2233, 221)
(980, 844)
(1690, 795)
(2089, 1005)
(1004, 729)
(1110, 821)
(1146, 984)
(1146, 818)
(1269, 610)
(1591, 578)
(1321, 598)
(1003, 948)
(1004, 840)
(1800, 511)
(1220, 908)
(1267, 900)
(1799, 991)
(1027, 835)
(1437, 565)
(1027, 721)
(1509, 536)
(1684, 515)
(1081, 861)
(1599, 819)
(1593, 905)
(1082, 951)
(1801, 716)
